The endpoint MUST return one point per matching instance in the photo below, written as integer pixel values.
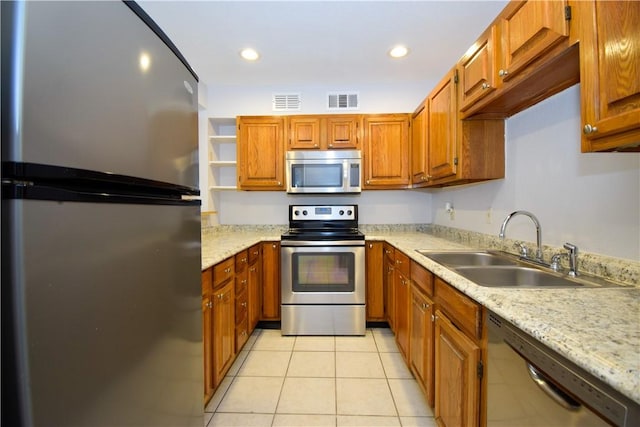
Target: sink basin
(466, 258)
(516, 276)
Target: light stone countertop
(596, 328)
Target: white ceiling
(322, 42)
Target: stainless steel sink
(467, 258)
(516, 276)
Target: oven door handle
(298, 243)
(557, 395)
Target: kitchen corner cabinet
(460, 151)
(324, 132)
(386, 151)
(207, 334)
(270, 281)
(374, 278)
(458, 373)
(609, 68)
(223, 298)
(261, 152)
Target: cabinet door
(343, 132)
(386, 151)
(375, 288)
(457, 385)
(254, 278)
(304, 132)
(442, 152)
(206, 340)
(402, 303)
(389, 269)
(419, 145)
(478, 69)
(610, 82)
(223, 330)
(529, 28)
(261, 153)
(270, 281)
(421, 342)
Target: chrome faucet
(535, 222)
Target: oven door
(323, 272)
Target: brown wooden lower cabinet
(254, 278)
(270, 281)
(387, 282)
(223, 330)
(421, 342)
(207, 323)
(375, 287)
(457, 385)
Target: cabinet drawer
(242, 335)
(254, 253)
(464, 312)
(223, 271)
(242, 260)
(389, 252)
(422, 278)
(241, 308)
(241, 282)
(206, 282)
(403, 263)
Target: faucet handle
(524, 251)
(555, 262)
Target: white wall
(591, 200)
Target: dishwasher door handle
(557, 395)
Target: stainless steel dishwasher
(530, 385)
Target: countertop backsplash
(626, 272)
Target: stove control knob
(304, 212)
(349, 212)
(296, 213)
(341, 213)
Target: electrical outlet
(488, 218)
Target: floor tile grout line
(284, 380)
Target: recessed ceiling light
(399, 51)
(249, 54)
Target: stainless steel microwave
(330, 171)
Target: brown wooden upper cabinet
(448, 151)
(610, 70)
(527, 54)
(386, 151)
(442, 152)
(478, 69)
(419, 165)
(261, 153)
(324, 132)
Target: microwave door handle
(345, 174)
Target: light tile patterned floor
(319, 381)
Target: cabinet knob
(588, 129)
(370, 245)
(368, 182)
(244, 304)
(503, 73)
(429, 177)
(243, 260)
(315, 145)
(252, 269)
(398, 261)
(273, 245)
(423, 178)
(433, 318)
(244, 281)
(330, 145)
(485, 86)
(279, 183)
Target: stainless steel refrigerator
(101, 299)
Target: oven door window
(316, 175)
(323, 272)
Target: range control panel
(323, 212)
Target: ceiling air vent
(286, 102)
(343, 101)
